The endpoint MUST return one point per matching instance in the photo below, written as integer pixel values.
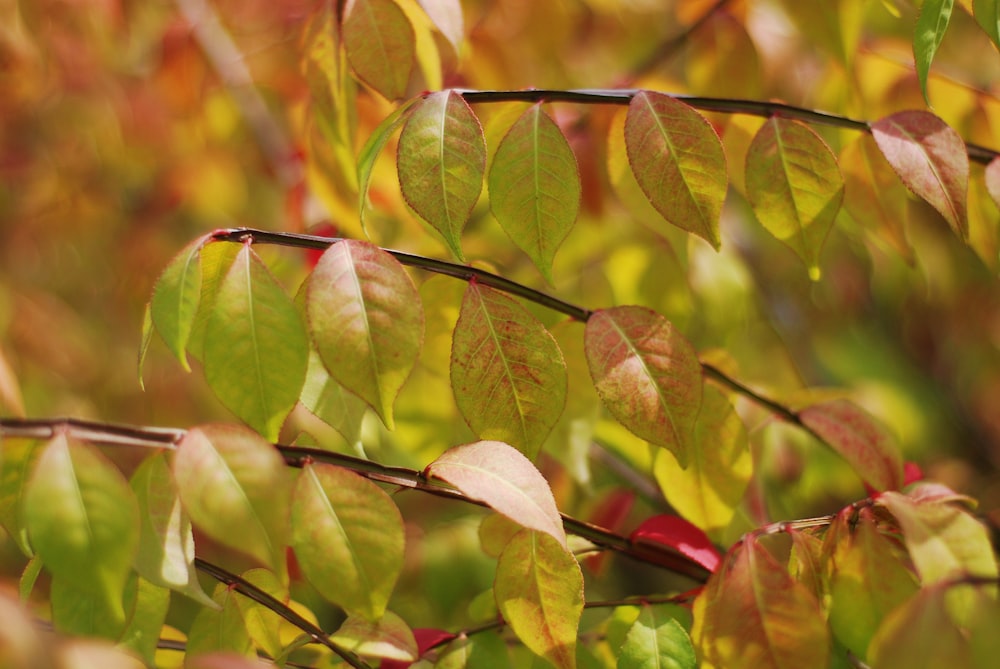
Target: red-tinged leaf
(388, 638)
(930, 158)
(858, 438)
(931, 27)
(506, 481)
(912, 473)
(868, 577)
(441, 160)
(795, 186)
(647, 374)
(427, 638)
(233, 485)
(678, 160)
(753, 615)
(348, 537)
(987, 13)
(656, 641)
(380, 44)
(256, 348)
(176, 294)
(507, 371)
(921, 633)
(82, 520)
(945, 541)
(535, 187)
(928, 491)
(366, 321)
(992, 177)
(447, 18)
(539, 591)
(678, 533)
(710, 489)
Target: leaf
(647, 375)
(388, 638)
(330, 402)
(233, 484)
(219, 629)
(348, 537)
(366, 321)
(656, 641)
(216, 259)
(535, 187)
(680, 534)
(987, 13)
(487, 650)
(447, 18)
(82, 520)
(380, 44)
(539, 590)
(145, 620)
(930, 158)
(373, 147)
(920, 633)
(678, 160)
(80, 611)
(753, 615)
(256, 348)
(719, 468)
(507, 371)
(165, 555)
(176, 294)
(858, 438)
(262, 624)
(426, 639)
(506, 481)
(11, 402)
(931, 27)
(794, 186)
(441, 159)
(992, 178)
(17, 461)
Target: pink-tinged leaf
(931, 27)
(795, 186)
(678, 533)
(535, 187)
(380, 44)
(505, 480)
(858, 438)
(82, 520)
(987, 13)
(678, 160)
(992, 177)
(539, 591)
(176, 294)
(348, 537)
(427, 638)
(447, 18)
(366, 321)
(753, 615)
(647, 374)
(234, 487)
(507, 371)
(929, 491)
(388, 638)
(912, 473)
(441, 160)
(708, 491)
(256, 348)
(922, 633)
(930, 158)
(945, 540)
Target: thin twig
(667, 49)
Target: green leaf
(710, 489)
(987, 13)
(219, 629)
(930, 158)
(216, 259)
(348, 537)
(146, 338)
(80, 611)
(373, 147)
(166, 543)
(262, 624)
(485, 650)
(505, 480)
(441, 160)
(931, 27)
(366, 321)
(82, 520)
(539, 590)
(678, 160)
(234, 486)
(535, 187)
(17, 461)
(145, 620)
(858, 438)
(330, 402)
(388, 638)
(380, 44)
(921, 633)
(507, 371)
(256, 347)
(647, 374)
(794, 186)
(656, 641)
(753, 615)
(175, 299)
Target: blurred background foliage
(129, 127)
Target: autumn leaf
(380, 44)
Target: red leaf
(427, 638)
(324, 229)
(678, 533)
(610, 513)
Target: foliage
(438, 457)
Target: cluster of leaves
(112, 543)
